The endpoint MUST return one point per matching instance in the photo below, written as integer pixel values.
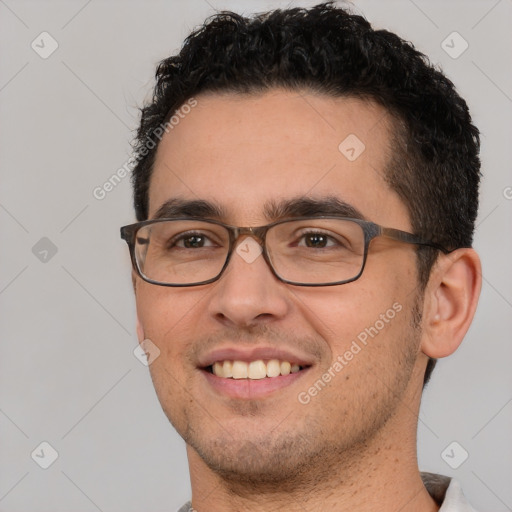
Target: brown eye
(316, 240)
(194, 241)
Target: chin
(257, 463)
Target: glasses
(304, 251)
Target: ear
(451, 297)
(140, 330)
(134, 281)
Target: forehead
(241, 151)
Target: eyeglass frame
(370, 229)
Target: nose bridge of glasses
(241, 233)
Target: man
(306, 189)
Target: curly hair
(434, 166)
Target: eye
(317, 240)
(191, 241)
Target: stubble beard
(304, 457)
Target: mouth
(253, 370)
(252, 380)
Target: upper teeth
(253, 370)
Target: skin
(353, 446)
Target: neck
(380, 474)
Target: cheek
(368, 319)
(168, 318)
(161, 309)
(371, 342)
(341, 314)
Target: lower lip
(250, 389)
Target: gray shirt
(445, 491)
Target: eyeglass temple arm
(409, 238)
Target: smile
(254, 370)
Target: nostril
(264, 316)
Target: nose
(248, 293)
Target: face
(356, 344)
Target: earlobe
(450, 302)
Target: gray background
(68, 375)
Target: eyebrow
(177, 207)
(311, 207)
(273, 210)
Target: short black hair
(434, 166)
